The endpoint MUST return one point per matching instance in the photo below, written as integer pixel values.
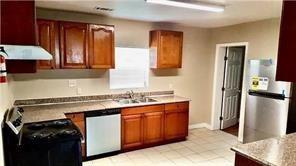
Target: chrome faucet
(130, 94)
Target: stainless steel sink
(127, 101)
(135, 101)
(146, 100)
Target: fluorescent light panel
(197, 6)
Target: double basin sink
(135, 101)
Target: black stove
(51, 131)
(51, 124)
(42, 143)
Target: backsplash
(86, 98)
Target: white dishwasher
(103, 132)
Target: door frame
(218, 83)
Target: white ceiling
(236, 11)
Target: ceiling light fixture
(196, 5)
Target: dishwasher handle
(102, 112)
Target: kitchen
(194, 80)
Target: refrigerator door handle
(277, 96)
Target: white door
(232, 86)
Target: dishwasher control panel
(103, 112)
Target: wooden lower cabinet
(153, 125)
(131, 131)
(78, 120)
(173, 129)
(145, 126)
(141, 126)
(176, 120)
(244, 161)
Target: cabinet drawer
(76, 117)
(143, 109)
(177, 106)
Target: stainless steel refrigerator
(267, 102)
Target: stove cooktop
(49, 131)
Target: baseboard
(200, 125)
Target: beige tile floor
(203, 147)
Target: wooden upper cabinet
(76, 45)
(17, 27)
(47, 38)
(287, 43)
(101, 46)
(73, 45)
(17, 22)
(166, 49)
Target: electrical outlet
(72, 83)
(171, 86)
(79, 91)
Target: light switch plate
(72, 83)
(79, 91)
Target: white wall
(192, 81)
(6, 101)
(262, 38)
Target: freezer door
(265, 117)
(267, 68)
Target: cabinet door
(47, 39)
(73, 45)
(153, 127)
(286, 58)
(131, 131)
(183, 123)
(101, 46)
(18, 22)
(170, 49)
(245, 161)
(17, 27)
(81, 126)
(176, 120)
(171, 125)
(78, 120)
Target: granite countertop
(280, 151)
(169, 98)
(38, 113)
